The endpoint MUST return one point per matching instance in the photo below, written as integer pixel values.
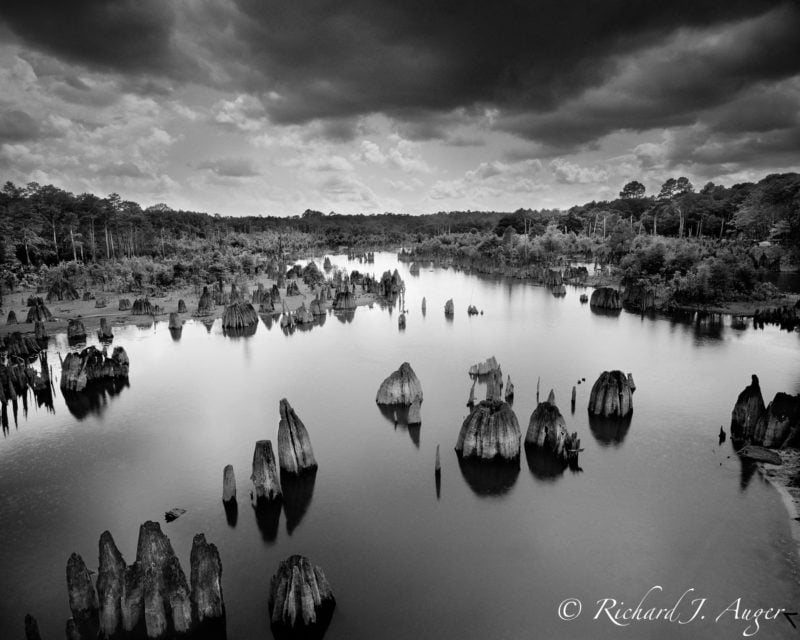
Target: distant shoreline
(85, 310)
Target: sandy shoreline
(64, 311)
(781, 478)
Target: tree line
(42, 224)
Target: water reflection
(298, 491)
(543, 464)
(397, 415)
(268, 515)
(231, 512)
(244, 332)
(345, 317)
(94, 398)
(611, 313)
(176, 333)
(609, 431)
(489, 478)
(747, 470)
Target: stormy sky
(272, 107)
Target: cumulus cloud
(245, 112)
(230, 167)
(568, 172)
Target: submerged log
(402, 387)
(208, 604)
(266, 482)
(760, 454)
(294, 445)
(228, 484)
(606, 298)
(449, 309)
(611, 395)
(491, 431)
(747, 411)
(76, 332)
(301, 601)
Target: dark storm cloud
(418, 57)
(17, 126)
(560, 73)
(125, 35)
(681, 81)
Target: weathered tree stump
(266, 482)
(606, 298)
(301, 601)
(142, 307)
(401, 387)
(611, 395)
(747, 411)
(490, 432)
(105, 334)
(76, 332)
(82, 596)
(208, 604)
(294, 445)
(228, 484)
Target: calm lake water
(656, 503)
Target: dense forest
(673, 236)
